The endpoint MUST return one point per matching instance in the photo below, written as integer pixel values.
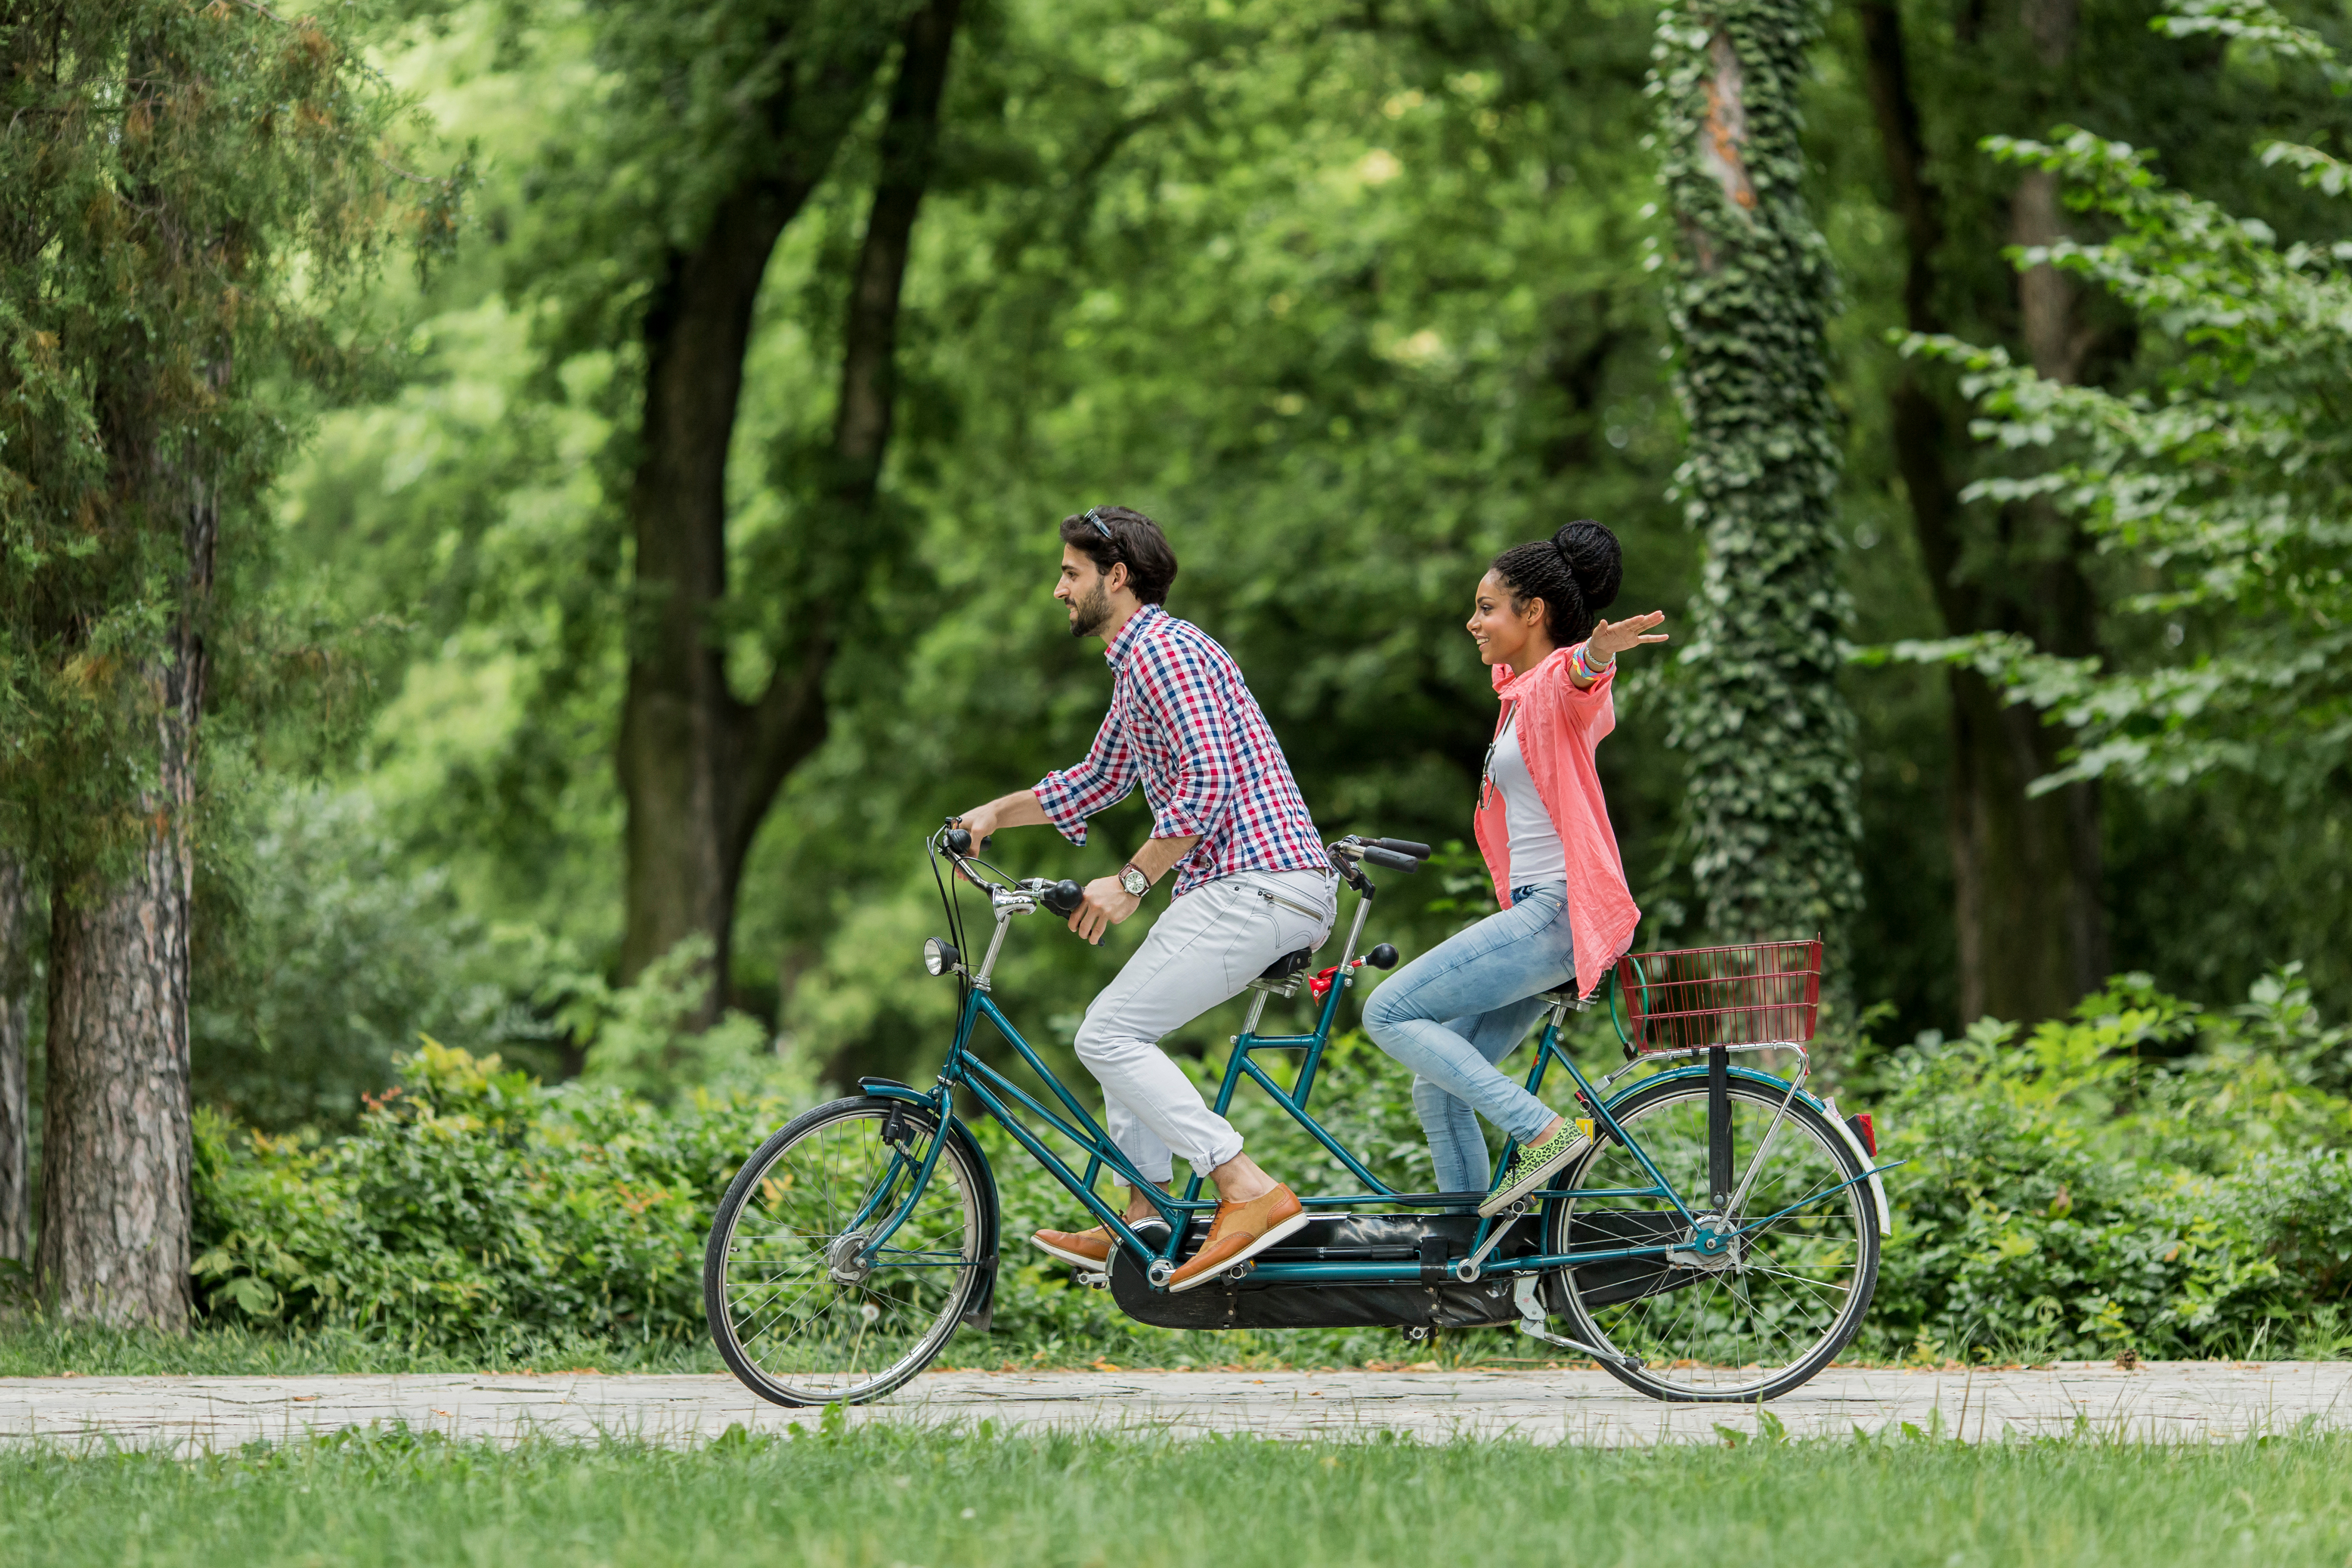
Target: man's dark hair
(1575, 572)
(1126, 535)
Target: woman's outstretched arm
(1610, 638)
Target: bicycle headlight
(938, 956)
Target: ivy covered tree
(1769, 736)
(186, 188)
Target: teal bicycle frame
(998, 1096)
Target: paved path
(2170, 1402)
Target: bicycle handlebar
(1379, 855)
(1401, 847)
(1063, 898)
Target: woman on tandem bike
(1709, 1231)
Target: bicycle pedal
(1093, 1281)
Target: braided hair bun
(1576, 572)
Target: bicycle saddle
(1289, 964)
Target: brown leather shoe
(1239, 1233)
(1080, 1248)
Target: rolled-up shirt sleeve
(1069, 796)
(1187, 703)
(1559, 702)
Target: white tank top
(1537, 855)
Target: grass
(892, 1496)
(41, 1347)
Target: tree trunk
(116, 1147)
(16, 1105)
(1771, 800)
(679, 761)
(2028, 913)
(699, 767)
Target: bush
(2140, 1175)
(2088, 1188)
(474, 1208)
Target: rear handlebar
(1401, 847)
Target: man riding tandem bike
(1708, 1232)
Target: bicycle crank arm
(1536, 1326)
(1467, 1269)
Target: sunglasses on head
(1094, 515)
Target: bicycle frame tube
(1004, 1100)
(1548, 1051)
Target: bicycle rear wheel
(1768, 1311)
(798, 1312)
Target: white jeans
(1207, 946)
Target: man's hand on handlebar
(1106, 904)
(1019, 809)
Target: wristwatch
(1136, 883)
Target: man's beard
(1087, 614)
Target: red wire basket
(1758, 993)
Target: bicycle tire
(1682, 1322)
(778, 1230)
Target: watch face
(1136, 883)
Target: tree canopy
(1348, 298)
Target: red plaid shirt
(1183, 726)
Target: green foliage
(2224, 483)
(816, 1489)
(641, 1038)
(228, 1345)
(2087, 1188)
(2143, 1174)
(193, 194)
(474, 1207)
(1769, 738)
(1348, 308)
(326, 954)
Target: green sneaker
(1536, 1163)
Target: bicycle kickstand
(1535, 1325)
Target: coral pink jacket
(1559, 727)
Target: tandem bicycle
(1718, 1240)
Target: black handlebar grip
(1391, 859)
(1381, 957)
(958, 841)
(1404, 847)
(1063, 898)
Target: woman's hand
(1611, 638)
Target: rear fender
(981, 1313)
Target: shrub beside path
(2156, 1401)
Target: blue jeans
(1486, 984)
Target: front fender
(981, 1313)
(1780, 1085)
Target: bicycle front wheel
(805, 1307)
(1769, 1307)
